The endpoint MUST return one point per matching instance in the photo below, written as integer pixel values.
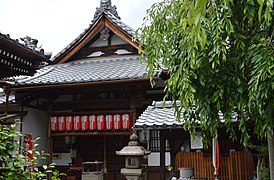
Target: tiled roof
(16, 41)
(120, 24)
(112, 18)
(3, 97)
(158, 116)
(89, 70)
(162, 116)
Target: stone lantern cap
(133, 148)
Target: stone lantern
(134, 156)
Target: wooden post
(162, 154)
(132, 114)
(49, 142)
(270, 141)
(105, 156)
(21, 128)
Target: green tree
(16, 165)
(220, 57)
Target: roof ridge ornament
(32, 44)
(105, 5)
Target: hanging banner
(28, 145)
(109, 122)
(196, 142)
(53, 124)
(215, 156)
(61, 123)
(100, 122)
(77, 123)
(84, 123)
(125, 121)
(117, 121)
(69, 123)
(92, 122)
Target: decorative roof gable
(106, 29)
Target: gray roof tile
(3, 97)
(89, 70)
(159, 115)
(16, 41)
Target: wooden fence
(235, 166)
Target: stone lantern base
(132, 174)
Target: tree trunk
(270, 140)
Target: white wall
(154, 159)
(36, 123)
(64, 160)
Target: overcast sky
(56, 23)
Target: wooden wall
(237, 165)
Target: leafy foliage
(261, 151)
(16, 165)
(220, 57)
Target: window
(59, 145)
(154, 142)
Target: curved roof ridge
(38, 74)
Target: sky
(56, 23)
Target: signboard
(196, 142)
(27, 145)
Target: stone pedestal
(132, 174)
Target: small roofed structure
(159, 125)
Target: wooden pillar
(270, 140)
(173, 148)
(133, 114)
(49, 142)
(21, 127)
(105, 156)
(162, 154)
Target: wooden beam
(89, 112)
(80, 43)
(119, 32)
(96, 133)
(91, 104)
(21, 51)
